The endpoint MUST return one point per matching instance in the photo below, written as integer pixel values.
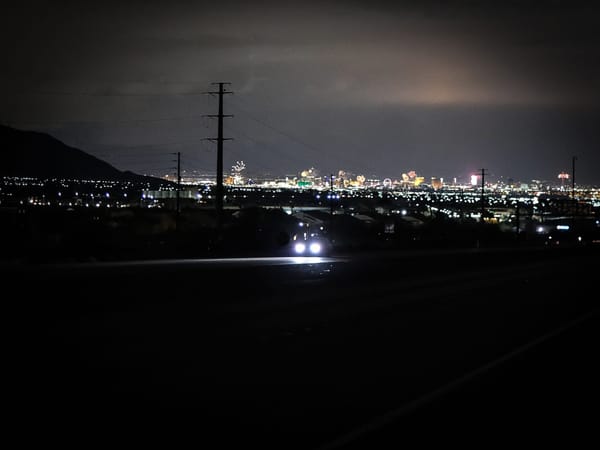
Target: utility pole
(481, 222)
(330, 206)
(574, 204)
(177, 209)
(219, 139)
(573, 177)
(518, 218)
(482, 193)
(331, 194)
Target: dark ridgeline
(72, 230)
(39, 155)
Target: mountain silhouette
(39, 155)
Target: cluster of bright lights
(314, 248)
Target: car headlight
(300, 247)
(315, 248)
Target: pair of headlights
(314, 248)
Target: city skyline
(442, 88)
(29, 167)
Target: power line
(108, 121)
(108, 94)
(276, 148)
(159, 144)
(311, 147)
(151, 157)
(283, 133)
(260, 165)
(316, 150)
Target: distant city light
(474, 179)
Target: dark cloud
(380, 86)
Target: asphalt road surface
(359, 351)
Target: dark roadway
(362, 351)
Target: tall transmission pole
(219, 190)
(480, 234)
(482, 193)
(177, 209)
(331, 194)
(574, 205)
(573, 177)
(331, 206)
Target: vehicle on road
(310, 244)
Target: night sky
(375, 88)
